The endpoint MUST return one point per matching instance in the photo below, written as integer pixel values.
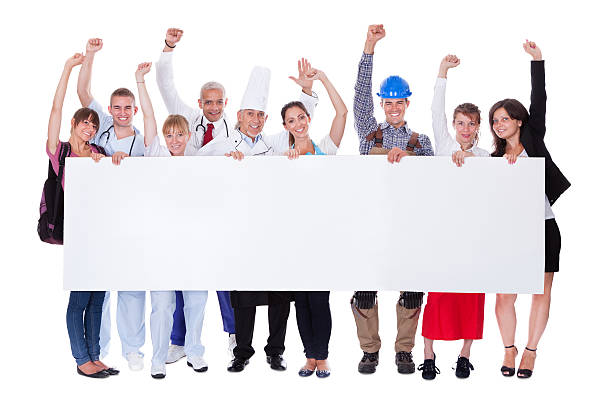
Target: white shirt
(155, 149)
(175, 105)
(198, 123)
(107, 139)
(446, 145)
(264, 145)
(548, 212)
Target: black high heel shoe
(524, 372)
(508, 371)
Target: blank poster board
(315, 223)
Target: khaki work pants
(367, 328)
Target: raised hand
(143, 69)
(173, 35)
(73, 61)
(375, 32)
(532, 49)
(302, 80)
(93, 45)
(450, 61)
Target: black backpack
(51, 221)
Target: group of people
(177, 317)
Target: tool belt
(377, 136)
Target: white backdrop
(223, 41)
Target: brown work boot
(403, 360)
(368, 363)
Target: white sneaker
(197, 363)
(158, 372)
(175, 353)
(135, 362)
(231, 345)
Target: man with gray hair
(204, 125)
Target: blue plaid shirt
(365, 122)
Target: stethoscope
(201, 125)
(107, 132)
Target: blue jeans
(83, 318)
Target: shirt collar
(385, 125)
(248, 139)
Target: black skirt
(552, 245)
(258, 298)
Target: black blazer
(532, 135)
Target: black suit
(532, 135)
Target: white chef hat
(256, 93)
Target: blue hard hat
(394, 87)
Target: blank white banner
(315, 223)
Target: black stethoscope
(107, 132)
(201, 125)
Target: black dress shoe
(429, 368)
(99, 374)
(463, 367)
(237, 365)
(277, 362)
(112, 371)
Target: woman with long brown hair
(519, 133)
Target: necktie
(208, 135)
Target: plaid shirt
(365, 122)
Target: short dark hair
(293, 104)
(516, 111)
(122, 92)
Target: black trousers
(245, 325)
(314, 322)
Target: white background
(223, 41)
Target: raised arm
(55, 119)
(363, 104)
(307, 97)
(537, 108)
(444, 140)
(337, 128)
(150, 126)
(84, 83)
(164, 74)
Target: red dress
(453, 316)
